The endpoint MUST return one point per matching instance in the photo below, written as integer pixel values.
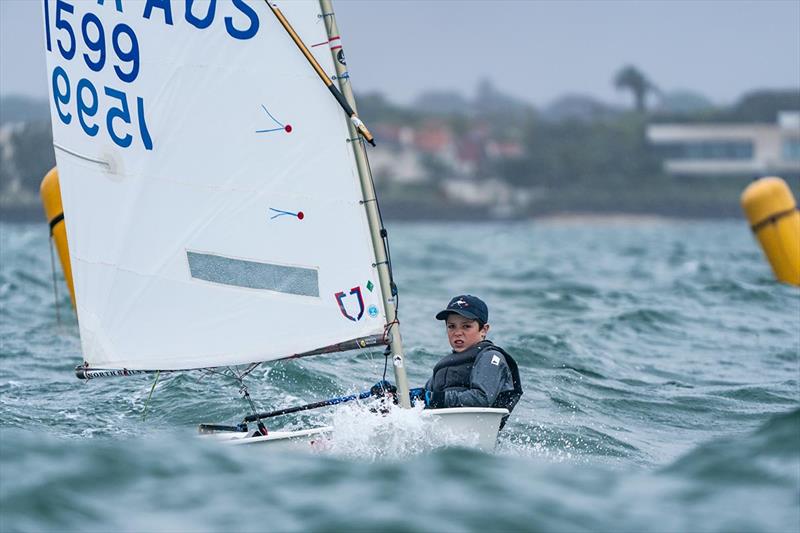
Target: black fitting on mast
(386, 354)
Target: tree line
(588, 156)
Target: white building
(396, 164)
(720, 149)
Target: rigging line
(239, 378)
(388, 327)
(385, 236)
(249, 369)
(261, 427)
(55, 281)
(147, 403)
(223, 374)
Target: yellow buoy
(50, 192)
(772, 212)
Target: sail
(211, 197)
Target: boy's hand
(434, 400)
(382, 387)
(417, 394)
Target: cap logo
(460, 303)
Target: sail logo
(340, 297)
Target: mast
(370, 203)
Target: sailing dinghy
(219, 204)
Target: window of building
(791, 149)
(709, 150)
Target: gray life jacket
(454, 372)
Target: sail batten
(226, 225)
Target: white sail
(210, 192)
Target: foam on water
(391, 433)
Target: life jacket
(454, 371)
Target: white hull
(475, 427)
(307, 439)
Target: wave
(170, 481)
(768, 455)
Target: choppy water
(660, 362)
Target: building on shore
(697, 149)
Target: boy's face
(463, 333)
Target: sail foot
(85, 372)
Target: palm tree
(632, 79)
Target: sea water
(660, 364)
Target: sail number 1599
(87, 104)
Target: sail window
(254, 275)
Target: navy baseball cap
(467, 306)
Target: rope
(261, 427)
(384, 235)
(55, 281)
(387, 327)
(249, 369)
(147, 403)
(772, 219)
(239, 378)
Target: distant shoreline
(608, 218)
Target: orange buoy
(772, 212)
(50, 192)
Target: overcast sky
(535, 50)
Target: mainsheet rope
(147, 402)
(55, 280)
